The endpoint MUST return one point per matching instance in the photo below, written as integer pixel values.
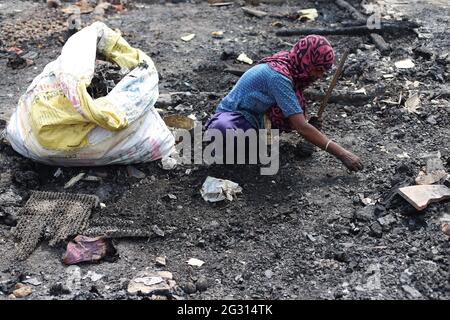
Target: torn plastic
(214, 190)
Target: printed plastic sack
(57, 122)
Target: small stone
(365, 214)
(386, 221)
(201, 243)
(195, 262)
(104, 192)
(202, 284)
(135, 173)
(168, 163)
(404, 64)
(19, 285)
(217, 34)
(405, 277)
(22, 291)
(367, 201)
(268, 273)
(188, 37)
(424, 52)
(9, 198)
(58, 289)
(160, 261)
(164, 100)
(244, 58)
(412, 292)
(74, 180)
(157, 231)
(432, 120)
(12, 297)
(183, 107)
(53, 3)
(172, 196)
(376, 230)
(341, 256)
(189, 288)
(445, 227)
(93, 276)
(165, 275)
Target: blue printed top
(258, 90)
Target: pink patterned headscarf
(296, 64)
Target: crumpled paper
(214, 190)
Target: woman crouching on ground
(275, 87)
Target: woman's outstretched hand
(351, 161)
(311, 134)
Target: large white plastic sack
(145, 136)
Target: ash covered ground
(313, 231)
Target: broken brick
(421, 196)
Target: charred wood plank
(348, 7)
(378, 40)
(385, 27)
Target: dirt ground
(313, 231)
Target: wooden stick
(356, 30)
(347, 6)
(332, 84)
(221, 4)
(268, 127)
(379, 42)
(254, 12)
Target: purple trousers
(228, 120)
(224, 121)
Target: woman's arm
(299, 123)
